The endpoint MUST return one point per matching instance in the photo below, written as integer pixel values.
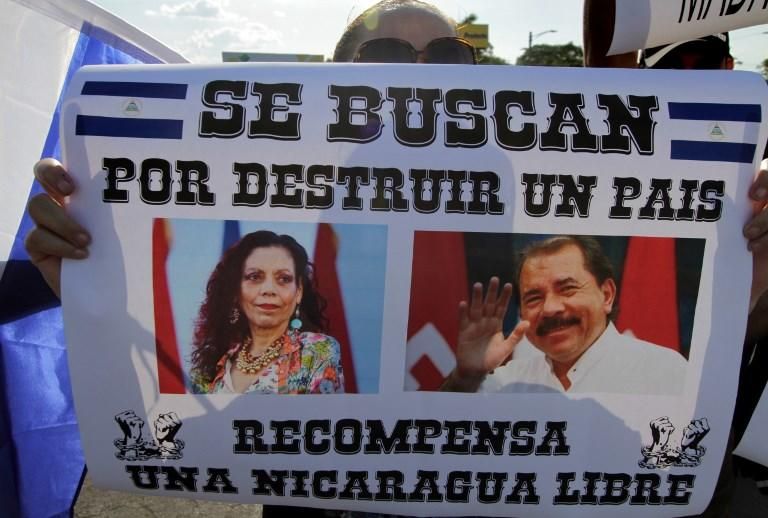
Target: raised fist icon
(166, 428)
(661, 429)
(131, 426)
(693, 434)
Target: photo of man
(565, 289)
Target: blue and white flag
(42, 43)
(730, 136)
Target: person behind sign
(257, 330)
(704, 53)
(403, 31)
(567, 293)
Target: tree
(764, 68)
(568, 55)
(484, 56)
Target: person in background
(403, 31)
(705, 53)
(711, 52)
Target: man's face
(564, 304)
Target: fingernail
(82, 239)
(81, 253)
(64, 183)
(760, 193)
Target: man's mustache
(550, 323)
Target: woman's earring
(234, 315)
(296, 322)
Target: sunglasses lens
(449, 51)
(385, 50)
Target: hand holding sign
(56, 234)
(756, 232)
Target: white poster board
(453, 168)
(641, 24)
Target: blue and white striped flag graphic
(729, 136)
(129, 124)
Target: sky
(202, 29)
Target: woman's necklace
(250, 365)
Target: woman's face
(412, 24)
(269, 288)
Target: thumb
(515, 337)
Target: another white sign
(641, 24)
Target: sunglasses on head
(448, 50)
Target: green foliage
(486, 57)
(764, 68)
(568, 55)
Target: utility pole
(532, 36)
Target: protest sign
(649, 23)
(406, 185)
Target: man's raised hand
(481, 344)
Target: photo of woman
(260, 326)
